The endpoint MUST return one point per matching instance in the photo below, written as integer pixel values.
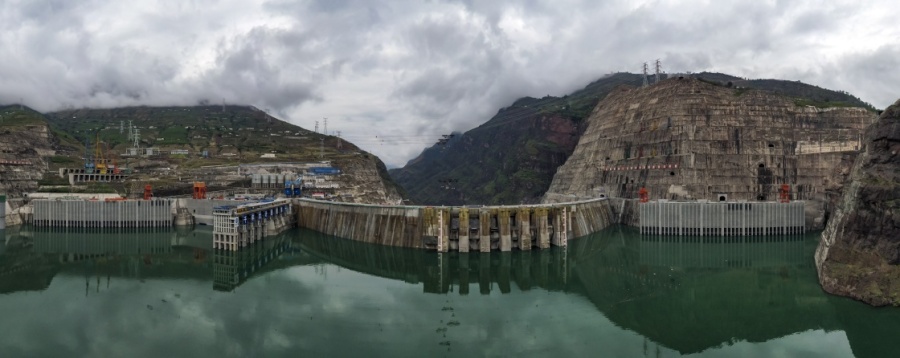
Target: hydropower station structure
(715, 160)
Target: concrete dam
(464, 229)
(238, 224)
(526, 227)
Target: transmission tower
(339, 146)
(658, 70)
(121, 127)
(646, 69)
(325, 126)
(317, 126)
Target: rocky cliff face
(497, 163)
(25, 142)
(367, 181)
(859, 254)
(511, 158)
(688, 139)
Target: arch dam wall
(464, 229)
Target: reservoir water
(615, 293)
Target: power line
(645, 74)
(658, 69)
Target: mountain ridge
(210, 136)
(529, 139)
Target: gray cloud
(424, 68)
(873, 76)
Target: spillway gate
(237, 226)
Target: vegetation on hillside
(228, 134)
(509, 159)
(14, 116)
(804, 94)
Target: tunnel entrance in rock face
(764, 181)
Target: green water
(166, 294)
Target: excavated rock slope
(683, 138)
(859, 254)
(367, 182)
(23, 153)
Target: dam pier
(464, 228)
(237, 226)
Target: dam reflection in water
(683, 295)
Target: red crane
(644, 195)
(784, 194)
(199, 190)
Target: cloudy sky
(393, 76)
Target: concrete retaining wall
(387, 225)
(17, 213)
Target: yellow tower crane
(98, 157)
